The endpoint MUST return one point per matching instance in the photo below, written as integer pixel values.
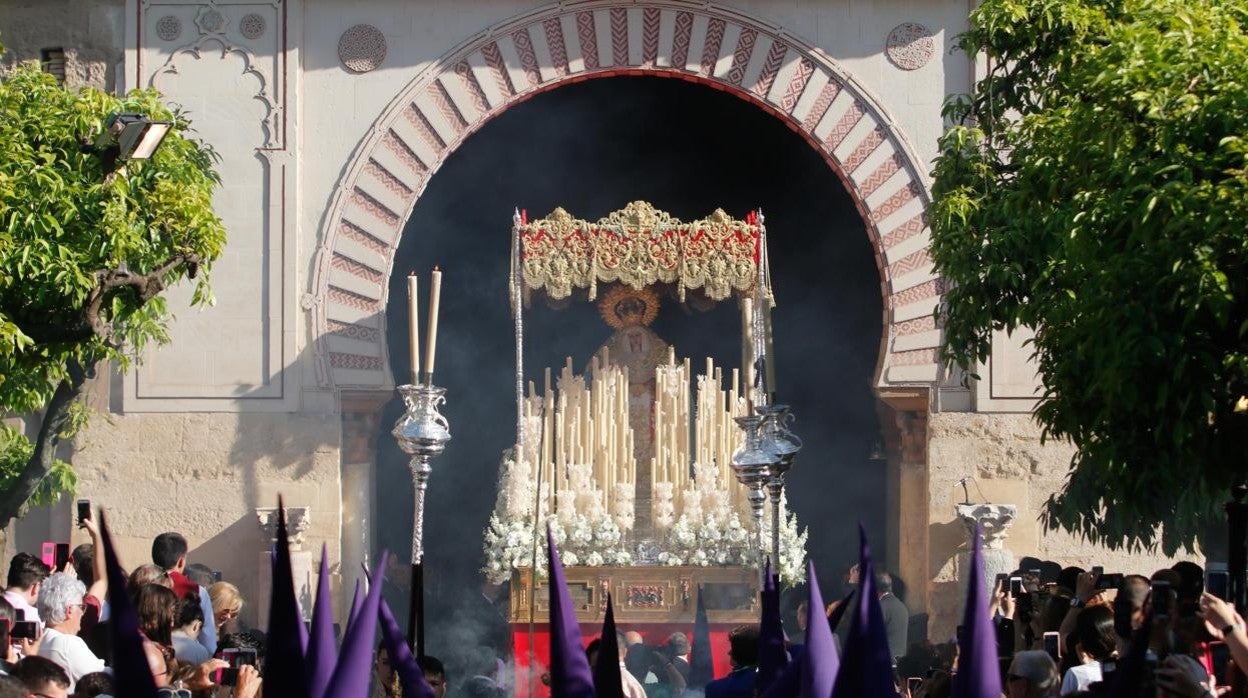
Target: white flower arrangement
(707, 533)
(581, 541)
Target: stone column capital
(995, 518)
(298, 521)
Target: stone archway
(568, 42)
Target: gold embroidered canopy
(639, 246)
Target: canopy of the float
(640, 246)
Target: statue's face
(630, 310)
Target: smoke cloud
(591, 148)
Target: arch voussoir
(719, 47)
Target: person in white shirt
(186, 646)
(26, 573)
(1095, 643)
(60, 606)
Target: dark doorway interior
(591, 148)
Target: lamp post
(422, 433)
(751, 463)
(783, 446)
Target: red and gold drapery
(639, 246)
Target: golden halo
(624, 306)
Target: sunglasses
(174, 693)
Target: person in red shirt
(169, 553)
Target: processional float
(651, 471)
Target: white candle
(414, 329)
(431, 332)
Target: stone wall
(1007, 464)
(204, 475)
(89, 31)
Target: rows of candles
(586, 460)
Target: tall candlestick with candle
(413, 317)
(431, 331)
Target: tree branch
(55, 417)
(89, 324)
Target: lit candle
(414, 329)
(431, 331)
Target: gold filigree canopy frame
(640, 246)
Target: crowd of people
(1056, 632)
(1075, 632)
(55, 625)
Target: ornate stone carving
(210, 21)
(168, 28)
(910, 46)
(996, 519)
(251, 26)
(912, 429)
(362, 48)
(298, 521)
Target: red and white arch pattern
(571, 41)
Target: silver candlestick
(750, 463)
(422, 433)
(783, 446)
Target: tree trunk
(37, 468)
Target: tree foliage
(84, 257)
(1094, 188)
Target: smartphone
(1016, 587)
(84, 509)
(216, 576)
(1097, 572)
(1002, 580)
(1216, 583)
(1031, 581)
(24, 630)
(61, 557)
(914, 684)
(1053, 645)
(236, 657)
(1161, 598)
(1219, 655)
(47, 553)
(5, 626)
(1112, 580)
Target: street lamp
(129, 136)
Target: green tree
(1093, 187)
(84, 256)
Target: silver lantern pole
(782, 446)
(422, 433)
(750, 465)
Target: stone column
(303, 565)
(361, 424)
(996, 520)
(906, 443)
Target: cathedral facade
(331, 118)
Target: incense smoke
(591, 148)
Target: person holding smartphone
(1225, 624)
